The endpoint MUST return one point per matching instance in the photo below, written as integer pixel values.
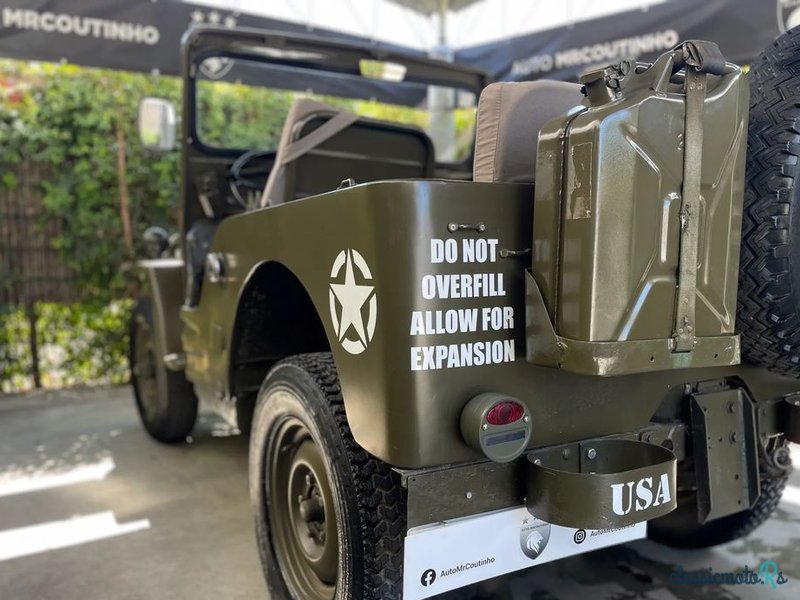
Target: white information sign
(446, 556)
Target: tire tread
(768, 304)
(181, 414)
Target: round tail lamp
(496, 425)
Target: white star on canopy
(352, 297)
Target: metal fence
(31, 269)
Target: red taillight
(505, 413)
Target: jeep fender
(164, 285)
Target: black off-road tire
(679, 529)
(369, 502)
(165, 400)
(768, 313)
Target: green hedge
(66, 119)
(78, 344)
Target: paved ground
(90, 508)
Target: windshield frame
(203, 42)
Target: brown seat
(510, 115)
(321, 146)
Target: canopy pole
(444, 7)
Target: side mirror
(157, 124)
(156, 241)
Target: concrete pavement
(91, 508)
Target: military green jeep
(469, 337)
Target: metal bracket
(175, 361)
(725, 453)
(453, 227)
(588, 488)
(441, 494)
(546, 348)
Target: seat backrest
(342, 146)
(510, 115)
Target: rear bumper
(598, 483)
(614, 481)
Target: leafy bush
(78, 344)
(67, 119)
(15, 359)
(83, 342)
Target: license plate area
(446, 556)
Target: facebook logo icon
(428, 577)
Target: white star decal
(213, 17)
(197, 16)
(352, 297)
(348, 299)
(230, 22)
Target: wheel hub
(310, 503)
(301, 515)
(309, 510)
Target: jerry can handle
(705, 57)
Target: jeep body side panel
(404, 405)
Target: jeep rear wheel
(330, 519)
(165, 400)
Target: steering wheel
(241, 178)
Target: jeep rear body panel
(403, 405)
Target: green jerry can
(637, 219)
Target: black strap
(704, 56)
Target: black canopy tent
(131, 35)
(143, 35)
(742, 28)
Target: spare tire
(768, 312)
